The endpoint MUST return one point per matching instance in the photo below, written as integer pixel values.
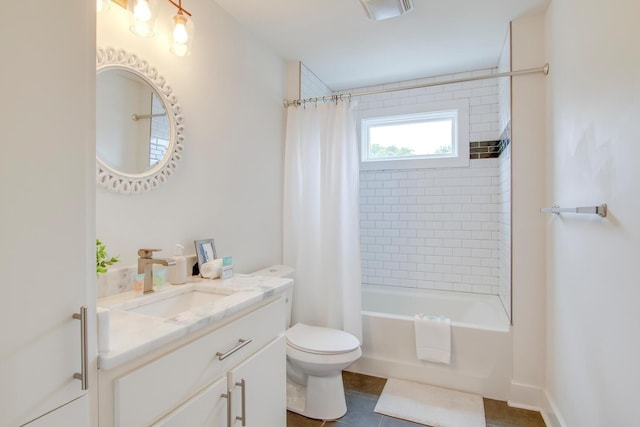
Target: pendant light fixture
(181, 30)
(142, 17)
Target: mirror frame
(126, 183)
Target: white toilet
(316, 357)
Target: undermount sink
(171, 306)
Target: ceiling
(345, 49)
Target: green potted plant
(102, 258)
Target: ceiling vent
(384, 9)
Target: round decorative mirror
(139, 131)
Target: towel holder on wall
(599, 210)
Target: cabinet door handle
(241, 343)
(227, 396)
(84, 356)
(243, 418)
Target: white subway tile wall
(504, 85)
(431, 228)
(160, 133)
(504, 224)
(482, 95)
(435, 228)
(310, 85)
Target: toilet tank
(281, 271)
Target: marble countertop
(131, 335)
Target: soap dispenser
(178, 272)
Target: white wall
(228, 185)
(593, 105)
(528, 225)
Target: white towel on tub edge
(433, 338)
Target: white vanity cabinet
(48, 213)
(190, 383)
(256, 387)
(207, 408)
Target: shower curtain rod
(341, 97)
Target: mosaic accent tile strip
(484, 149)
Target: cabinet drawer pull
(83, 375)
(227, 396)
(241, 343)
(243, 418)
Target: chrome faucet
(145, 264)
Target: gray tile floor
(362, 392)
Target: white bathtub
(480, 339)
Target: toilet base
(296, 397)
(322, 398)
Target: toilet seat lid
(319, 340)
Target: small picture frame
(205, 250)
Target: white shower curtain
(321, 215)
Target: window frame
(408, 114)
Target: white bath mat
(433, 406)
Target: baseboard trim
(526, 396)
(550, 413)
(492, 387)
(523, 396)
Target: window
(415, 137)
